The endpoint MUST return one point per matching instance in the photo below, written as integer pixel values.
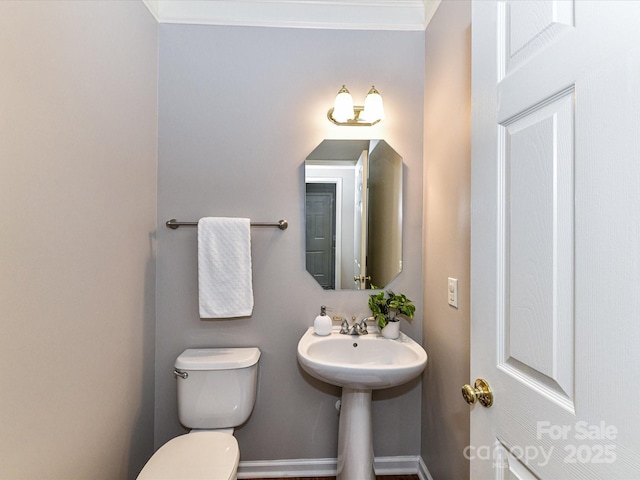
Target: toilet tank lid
(217, 358)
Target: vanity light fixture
(346, 114)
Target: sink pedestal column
(355, 436)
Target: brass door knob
(481, 393)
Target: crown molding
(329, 14)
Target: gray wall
(240, 109)
(78, 136)
(447, 141)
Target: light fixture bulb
(343, 106)
(373, 108)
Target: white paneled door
(555, 244)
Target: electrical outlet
(452, 292)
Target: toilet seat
(203, 455)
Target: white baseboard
(287, 468)
(323, 467)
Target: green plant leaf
(386, 309)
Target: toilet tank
(219, 388)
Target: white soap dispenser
(322, 323)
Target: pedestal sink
(359, 364)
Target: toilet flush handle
(178, 373)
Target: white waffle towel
(224, 267)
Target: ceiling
(333, 14)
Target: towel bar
(173, 224)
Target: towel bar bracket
(173, 224)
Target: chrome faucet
(355, 329)
(358, 328)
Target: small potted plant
(387, 310)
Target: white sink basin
(361, 362)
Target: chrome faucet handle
(363, 327)
(344, 326)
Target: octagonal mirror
(353, 214)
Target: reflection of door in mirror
(320, 226)
(342, 177)
(360, 224)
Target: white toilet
(216, 392)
